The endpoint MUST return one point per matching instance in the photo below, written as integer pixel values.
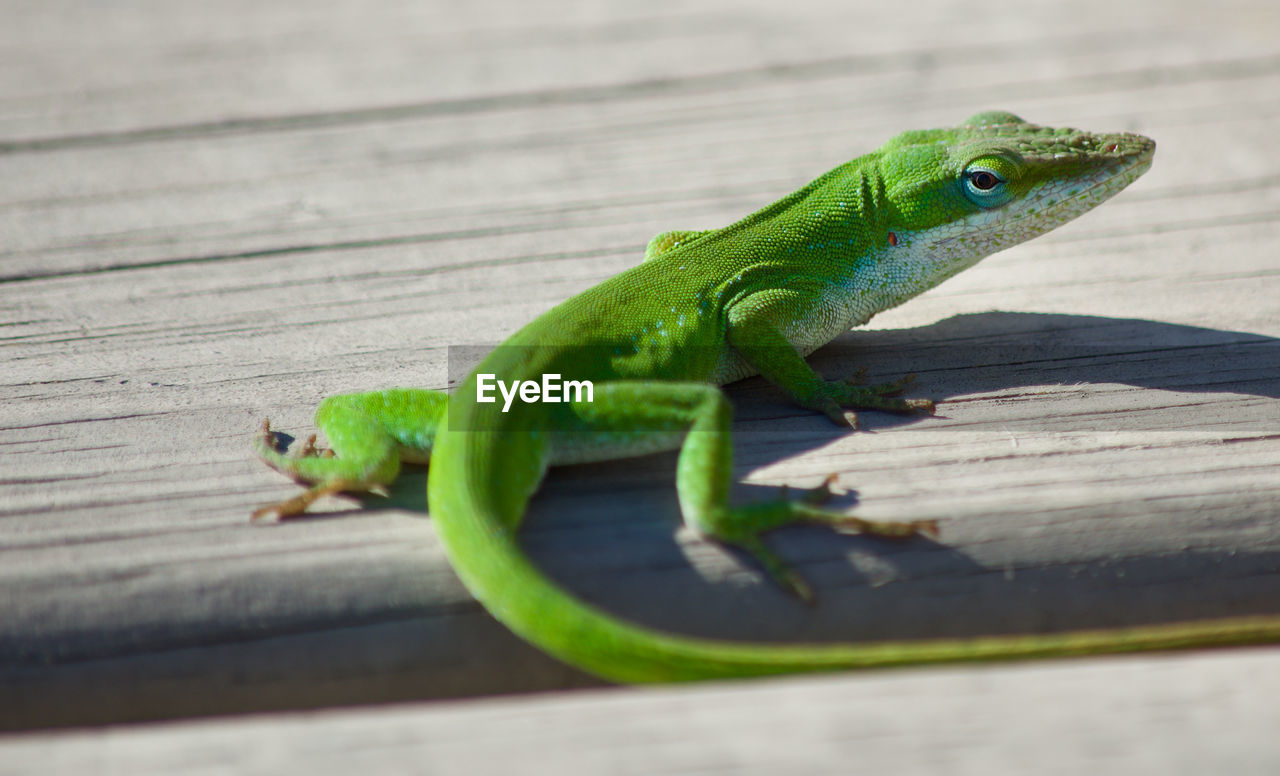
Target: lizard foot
(320, 470)
(840, 398)
(299, 503)
(743, 527)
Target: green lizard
(706, 308)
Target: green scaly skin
(703, 309)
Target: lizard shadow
(1002, 351)
(920, 587)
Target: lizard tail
(478, 529)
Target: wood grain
(1176, 715)
(213, 213)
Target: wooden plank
(1184, 715)
(183, 254)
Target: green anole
(703, 309)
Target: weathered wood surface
(1170, 715)
(212, 213)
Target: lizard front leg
(753, 333)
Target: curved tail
(478, 529)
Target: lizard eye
(983, 180)
(985, 187)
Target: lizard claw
(839, 415)
(926, 528)
(923, 406)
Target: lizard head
(957, 195)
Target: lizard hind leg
(743, 527)
(704, 472)
(370, 433)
